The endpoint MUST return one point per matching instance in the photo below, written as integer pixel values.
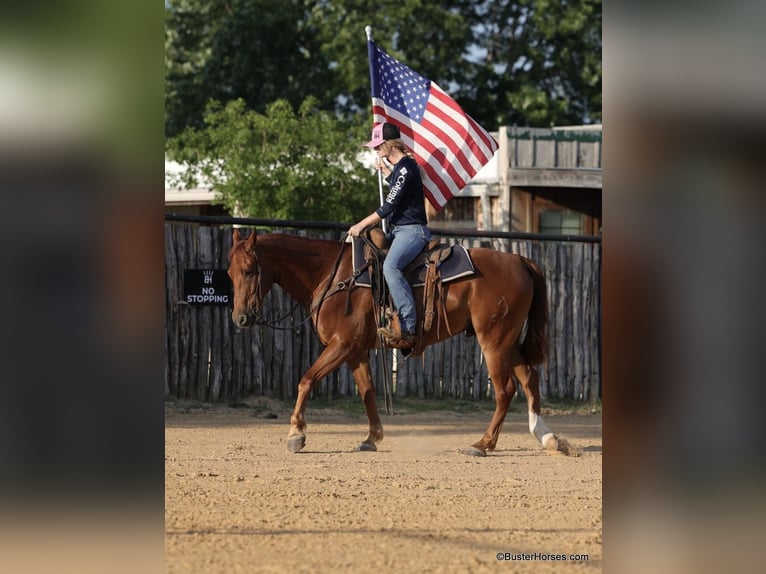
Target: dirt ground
(237, 501)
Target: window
(459, 211)
(561, 222)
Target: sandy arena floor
(237, 501)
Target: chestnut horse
(495, 302)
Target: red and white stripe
(449, 145)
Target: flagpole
(368, 32)
(387, 390)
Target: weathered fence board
(549, 148)
(209, 359)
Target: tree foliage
(523, 62)
(506, 62)
(430, 37)
(281, 164)
(542, 65)
(255, 50)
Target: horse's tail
(535, 345)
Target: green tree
(281, 164)
(256, 50)
(430, 37)
(524, 62)
(542, 62)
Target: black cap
(391, 132)
(381, 133)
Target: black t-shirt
(405, 199)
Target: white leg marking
(537, 427)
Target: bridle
(327, 291)
(257, 297)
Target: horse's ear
(250, 243)
(235, 237)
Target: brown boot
(407, 341)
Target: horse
(505, 292)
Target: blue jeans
(407, 242)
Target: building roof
(176, 194)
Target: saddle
(438, 263)
(433, 254)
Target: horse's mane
(292, 242)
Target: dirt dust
(237, 501)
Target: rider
(405, 207)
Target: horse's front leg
(330, 359)
(499, 367)
(360, 367)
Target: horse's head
(251, 279)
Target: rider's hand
(355, 230)
(381, 166)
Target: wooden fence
(209, 359)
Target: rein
(273, 324)
(259, 320)
(344, 285)
(327, 292)
(339, 287)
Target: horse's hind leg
(530, 382)
(360, 367)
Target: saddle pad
(457, 264)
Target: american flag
(448, 144)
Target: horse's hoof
(473, 451)
(296, 443)
(366, 447)
(551, 442)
